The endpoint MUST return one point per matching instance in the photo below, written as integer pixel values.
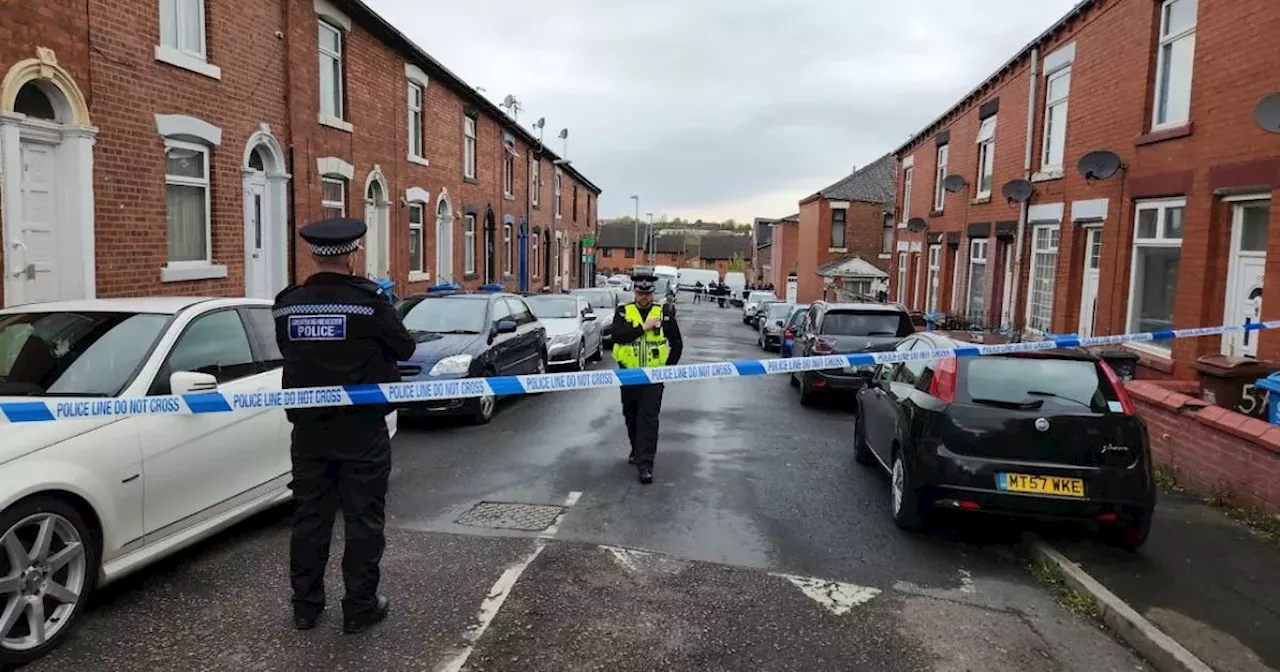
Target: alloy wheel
(898, 484)
(43, 575)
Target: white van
(736, 282)
(688, 277)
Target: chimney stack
(854, 170)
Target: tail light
(943, 385)
(1117, 385)
(789, 334)
(822, 347)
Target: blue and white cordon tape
(421, 391)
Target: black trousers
(345, 464)
(641, 405)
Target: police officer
(335, 329)
(645, 335)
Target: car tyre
(861, 451)
(1128, 534)
(76, 577)
(581, 364)
(794, 382)
(486, 406)
(905, 500)
(807, 396)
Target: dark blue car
(470, 336)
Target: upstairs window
(986, 156)
(509, 173)
(182, 27)
(837, 227)
(940, 194)
(886, 236)
(907, 175)
(1055, 120)
(469, 147)
(330, 71)
(415, 119)
(1173, 63)
(535, 180)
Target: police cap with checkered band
(334, 237)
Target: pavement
(761, 545)
(1202, 579)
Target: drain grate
(508, 516)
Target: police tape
(202, 403)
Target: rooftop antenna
(564, 135)
(542, 121)
(512, 106)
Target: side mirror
(506, 326)
(779, 323)
(589, 317)
(189, 382)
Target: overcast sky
(718, 109)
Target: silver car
(773, 320)
(573, 328)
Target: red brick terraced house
(176, 148)
(854, 216)
(1178, 236)
(762, 258)
(784, 251)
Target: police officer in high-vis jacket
(645, 335)
(336, 329)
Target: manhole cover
(506, 516)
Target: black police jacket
(623, 332)
(335, 329)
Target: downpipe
(1024, 209)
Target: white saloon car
(85, 502)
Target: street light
(649, 237)
(635, 244)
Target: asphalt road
(761, 545)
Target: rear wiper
(1014, 405)
(882, 333)
(1041, 393)
(458, 331)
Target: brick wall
(862, 236)
(1212, 449)
(786, 253)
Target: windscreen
(1017, 380)
(553, 307)
(866, 323)
(447, 316)
(599, 299)
(757, 297)
(778, 311)
(73, 353)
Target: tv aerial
(917, 224)
(1101, 164)
(954, 183)
(1267, 113)
(1017, 191)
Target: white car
(573, 330)
(752, 305)
(85, 502)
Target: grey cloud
(702, 106)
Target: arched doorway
(490, 247)
(377, 243)
(46, 168)
(265, 215)
(522, 240)
(444, 238)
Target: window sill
(537, 207)
(471, 276)
(419, 276)
(1164, 134)
(334, 122)
(1152, 357)
(508, 197)
(884, 255)
(187, 62)
(420, 160)
(838, 250)
(981, 200)
(902, 225)
(935, 214)
(1048, 175)
(470, 180)
(191, 273)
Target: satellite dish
(1017, 191)
(1267, 113)
(506, 102)
(564, 134)
(917, 224)
(542, 121)
(954, 183)
(1099, 165)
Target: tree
(737, 264)
(730, 224)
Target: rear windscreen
(866, 323)
(1018, 380)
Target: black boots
(646, 475)
(357, 623)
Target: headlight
(563, 339)
(451, 365)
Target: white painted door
(1245, 274)
(376, 252)
(1089, 291)
(257, 275)
(194, 462)
(38, 245)
(444, 247)
(565, 260)
(1006, 297)
(935, 256)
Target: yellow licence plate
(1040, 485)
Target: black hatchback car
(830, 328)
(1048, 434)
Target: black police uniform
(641, 404)
(335, 329)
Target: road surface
(761, 545)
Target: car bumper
(956, 481)
(772, 340)
(835, 381)
(562, 354)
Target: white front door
(37, 250)
(444, 248)
(375, 242)
(1089, 292)
(935, 255)
(257, 276)
(1245, 274)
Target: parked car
(604, 301)
(752, 305)
(789, 331)
(573, 332)
(843, 328)
(761, 308)
(471, 336)
(1048, 434)
(144, 486)
(773, 319)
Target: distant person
(697, 291)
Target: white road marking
(838, 598)
(500, 590)
(625, 556)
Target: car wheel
(904, 495)
(581, 364)
(807, 396)
(487, 405)
(861, 451)
(52, 565)
(794, 382)
(1128, 533)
